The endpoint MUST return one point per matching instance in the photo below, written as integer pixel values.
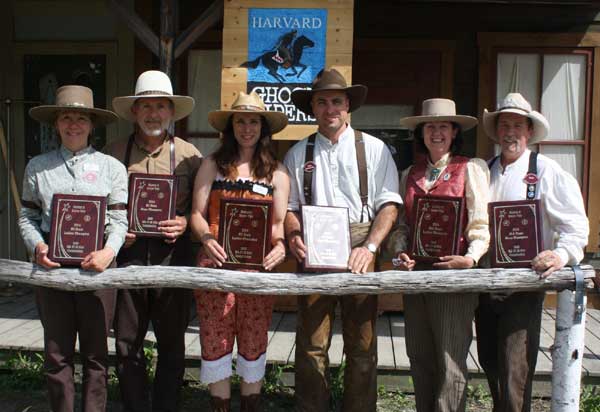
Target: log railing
(567, 353)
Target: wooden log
(434, 281)
(211, 16)
(143, 32)
(167, 36)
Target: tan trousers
(439, 331)
(316, 314)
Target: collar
(67, 154)
(517, 163)
(346, 134)
(443, 162)
(156, 151)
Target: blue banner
(286, 50)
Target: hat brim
(218, 119)
(182, 105)
(541, 127)
(357, 95)
(465, 122)
(48, 113)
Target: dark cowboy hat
(329, 80)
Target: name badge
(91, 167)
(261, 190)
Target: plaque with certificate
(77, 227)
(516, 233)
(438, 227)
(326, 235)
(152, 199)
(245, 232)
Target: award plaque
(245, 232)
(326, 234)
(438, 227)
(77, 227)
(516, 233)
(152, 199)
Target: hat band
(248, 107)
(147, 92)
(514, 108)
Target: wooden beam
(267, 283)
(211, 16)
(167, 35)
(143, 32)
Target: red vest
(450, 183)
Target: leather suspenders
(361, 160)
(171, 153)
(531, 178)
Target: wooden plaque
(77, 227)
(438, 227)
(516, 233)
(326, 234)
(245, 232)
(152, 199)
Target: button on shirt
(565, 225)
(87, 172)
(335, 178)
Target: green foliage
(478, 394)
(590, 399)
(337, 386)
(150, 355)
(273, 382)
(27, 372)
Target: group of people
(336, 166)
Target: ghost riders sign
(286, 50)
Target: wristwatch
(371, 247)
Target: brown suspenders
(361, 160)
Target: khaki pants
(316, 314)
(439, 331)
(508, 337)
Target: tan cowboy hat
(516, 103)
(329, 80)
(439, 110)
(74, 99)
(153, 83)
(248, 103)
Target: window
(557, 83)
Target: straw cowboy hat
(248, 103)
(439, 110)
(516, 103)
(153, 83)
(329, 80)
(73, 99)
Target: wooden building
(473, 51)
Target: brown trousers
(316, 314)
(64, 315)
(169, 311)
(508, 337)
(439, 331)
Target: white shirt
(335, 178)
(565, 225)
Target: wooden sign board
(264, 22)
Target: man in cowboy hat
(508, 326)
(151, 149)
(339, 166)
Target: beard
(154, 130)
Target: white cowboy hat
(439, 110)
(248, 103)
(516, 103)
(153, 83)
(73, 99)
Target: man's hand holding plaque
(77, 228)
(515, 228)
(245, 232)
(326, 235)
(152, 203)
(436, 234)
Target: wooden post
(167, 35)
(567, 354)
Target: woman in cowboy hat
(244, 166)
(74, 168)
(439, 326)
